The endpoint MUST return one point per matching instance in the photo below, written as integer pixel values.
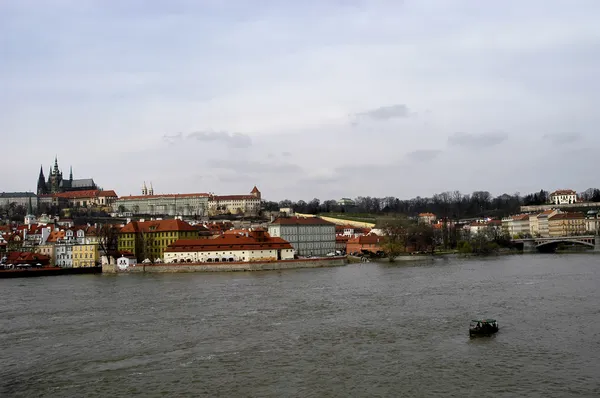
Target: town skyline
(391, 98)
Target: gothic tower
(41, 185)
(55, 178)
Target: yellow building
(566, 224)
(85, 255)
(149, 239)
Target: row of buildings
(169, 240)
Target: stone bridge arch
(551, 245)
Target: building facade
(18, 199)
(543, 226)
(149, 239)
(235, 204)
(369, 243)
(189, 204)
(563, 197)
(256, 246)
(85, 255)
(310, 236)
(567, 224)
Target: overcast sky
(313, 98)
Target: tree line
(453, 204)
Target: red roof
(367, 240)
(234, 197)
(255, 190)
(568, 216)
(228, 242)
(301, 221)
(563, 192)
(158, 226)
(26, 258)
(109, 194)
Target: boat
(483, 327)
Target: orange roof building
(257, 246)
(149, 239)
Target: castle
(56, 183)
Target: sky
(318, 98)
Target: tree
(395, 239)
(108, 239)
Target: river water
(361, 330)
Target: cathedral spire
(41, 185)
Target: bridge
(550, 244)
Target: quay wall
(227, 267)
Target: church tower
(41, 185)
(55, 178)
(30, 217)
(151, 191)
(144, 189)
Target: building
(126, 260)
(149, 239)
(55, 182)
(346, 202)
(186, 204)
(27, 258)
(256, 246)
(563, 197)
(63, 252)
(88, 198)
(516, 225)
(534, 225)
(369, 243)
(341, 243)
(566, 224)
(542, 220)
(309, 236)
(592, 222)
(427, 218)
(18, 199)
(235, 204)
(85, 255)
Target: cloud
(233, 140)
(423, 155)
(257, 167)
(172, 139)
(382, 113)
(468, 140)
(562, 138)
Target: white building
(563, 197)
(63, 253)
(309, 236)
(186, 204)
(254, 247)
(235, 204)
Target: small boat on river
(483, 327)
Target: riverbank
(48, 271)
(228, 267)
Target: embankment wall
(228, 267)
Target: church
(55, 182)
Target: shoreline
(227, 267)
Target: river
(362, 330)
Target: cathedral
(56, 183)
